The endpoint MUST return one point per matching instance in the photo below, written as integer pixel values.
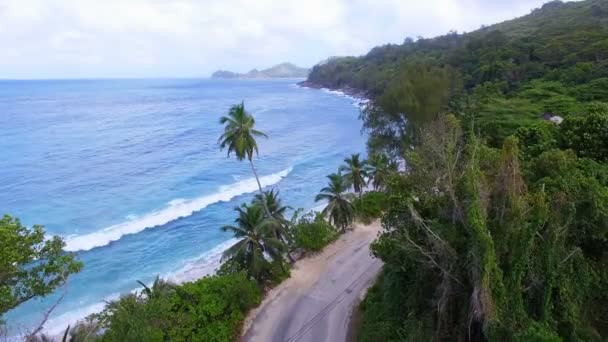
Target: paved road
(319, 310)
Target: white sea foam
(176, 209)
(203, 265)
(193, 269)
(56, 326)
(319, 208)
(358, 102)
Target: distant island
(283, 70)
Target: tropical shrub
(312, 232)
(587, 134)
(370, 206)
(31, 265)
(209, 309)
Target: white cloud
(148, 38)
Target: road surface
(316, 303)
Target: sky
(192, 38)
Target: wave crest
(175, 210)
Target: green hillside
(506, 75)
(497, 229)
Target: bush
(312, 232)
(370, 206)
(209, 309)
(587, 135)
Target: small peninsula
(283, 70)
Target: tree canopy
(30, 266)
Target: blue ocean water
(129, 172)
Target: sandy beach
(316, 302)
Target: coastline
(361, 97)
(192, 269)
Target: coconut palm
(277, 212)
(160, 288)
(339, 208)
(273, 203)
(379, 169)
(239, 137)
(256, 235)
(355, 172)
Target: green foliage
(257, 236)
(209, 309)
(355, 172)
(239, 134)
(339, 207)
(588, 134)
(370, 206)
(380, 169)
(30, 266)
(502, 77)
(537, 138)
(312, 233)
(479, 245)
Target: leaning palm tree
(339, 208)
(256, 238)
(379, 169)
(355, 172)
(239, 137)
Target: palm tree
(379, 169)
(273, 203)
(277, 212)
(239, 137)
(355, 172)
(160, 288)
(339, 208)
(256, 236)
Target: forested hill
(553, 60)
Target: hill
(496, 230)
(553, 60)
(283, 70)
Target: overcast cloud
(191, 38)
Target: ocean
(129, 173)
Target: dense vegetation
(498, 227)
(481, 243)
(30, 265)
(503, 76)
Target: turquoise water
(129, 172)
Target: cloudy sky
(192, 38)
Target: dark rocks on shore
(350, 91)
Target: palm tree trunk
(257, 179)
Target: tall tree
(339, 207)
(355, 172)
(256, 235)
(30, 266)
(277, 212)
(239, 137)
(273, 203)
(379, 169)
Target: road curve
(316, 303)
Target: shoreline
(192, 269)
(362, 97)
